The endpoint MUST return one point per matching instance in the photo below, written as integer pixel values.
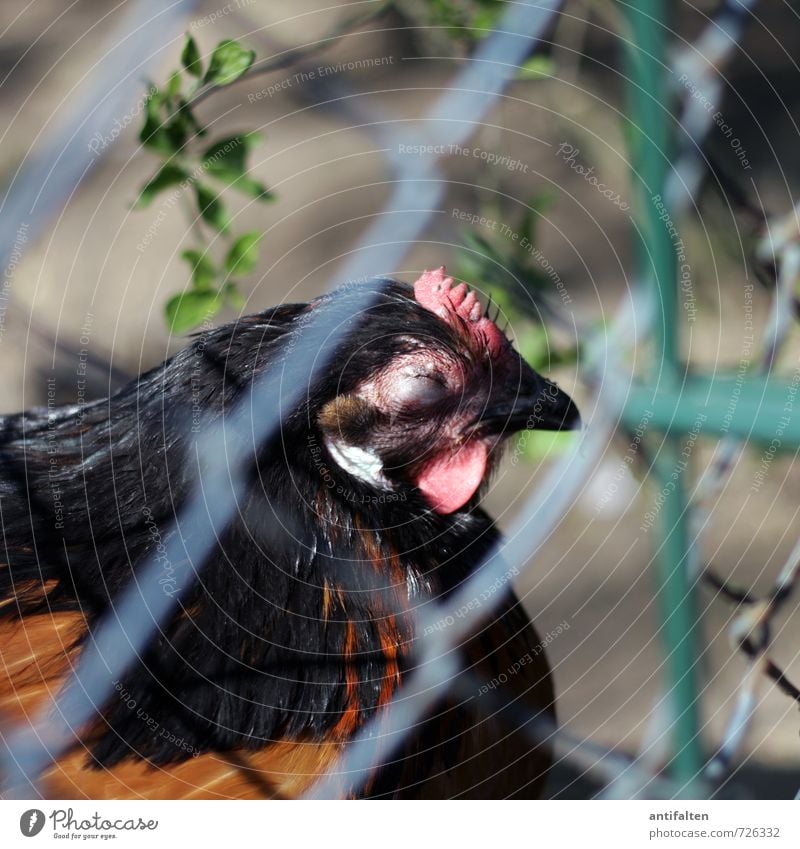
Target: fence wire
(224, 453)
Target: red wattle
(450, 480)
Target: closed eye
(420, 388)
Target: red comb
(457, 304)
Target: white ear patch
(358, 462)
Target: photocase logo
(31, 822)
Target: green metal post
(650, 136)
(650, 157)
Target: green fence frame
(745, 407)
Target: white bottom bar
(345, 825)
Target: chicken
(361, 513)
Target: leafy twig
(172, 132)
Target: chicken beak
(548, 409)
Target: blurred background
(537, 213)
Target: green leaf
(211, 208)
(538, 206)
(484, 22)
(468, 268)
(446, 14)
(174, 84)
(538, 67)
(226, 160)
(233, 295)
(204, 275)
(154, 133)
(559, 358)
(186, 118)
(243, 256)
(168, 175)
(230, 154)
(228, 62)
(184, 122)
(245, 185)
(483, 247)
(189, 309)
(190, 58)
(503, 299)
(533, 346)
(176, 133)
(541, 445)
(166, 131)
